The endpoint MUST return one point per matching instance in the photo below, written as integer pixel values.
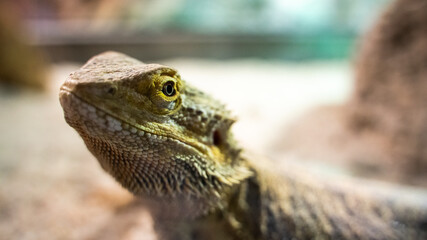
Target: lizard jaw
(78, 112)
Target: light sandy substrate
(52, 188)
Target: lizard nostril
(217, 138)
(112, 90)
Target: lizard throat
(75, 105)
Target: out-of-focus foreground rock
(382, 131)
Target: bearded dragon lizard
(170, 145)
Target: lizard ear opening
(217, 138)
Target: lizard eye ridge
(169, 88)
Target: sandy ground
(52, 188)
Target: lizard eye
(169, 88)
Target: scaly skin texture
(170, 144)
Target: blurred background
(291, 71)
(156, 30)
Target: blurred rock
(382, 131)
(20, 64)
(390, 99)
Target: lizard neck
(236, 215)
(244, 210)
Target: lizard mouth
(74, 104)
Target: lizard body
(169, 144)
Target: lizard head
(153, 132)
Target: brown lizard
(170, 144)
